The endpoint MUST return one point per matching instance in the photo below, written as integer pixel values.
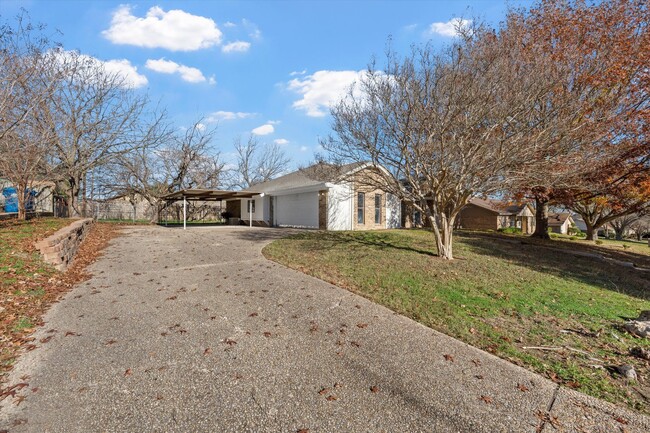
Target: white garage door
(296, 210)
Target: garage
(296, 210)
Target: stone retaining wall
(60, 248)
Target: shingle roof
(501, 207)
(312, 175)
(557, 219)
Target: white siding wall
(393, 212)
(297, 210)
(261, 208)
(339, 207)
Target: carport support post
(184, 213)
(250, 213)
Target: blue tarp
(11, 199)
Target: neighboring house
(579, 222)
(321, 196)
(481, 214)
(40, 200)
(560, 222)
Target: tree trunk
(619, 233)
(443, 232)
(20, 194)
(73, 195)
(592, 232)
(541, 219)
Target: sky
(269, 68)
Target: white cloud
(175, 30)
(200, 126)
(212, 80)
(322, 90)
(281, 141)
(450, 28)
(294, 73)
(410, 27)
(236, 47)
(229, 24)
(118, 67)
(273, 122)
(191, 75)
(264, 130)
(253, 31)
(227, 115)
(130, 73)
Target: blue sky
(265, 67)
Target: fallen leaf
(355, 344)
(71, 333)
(323, 391)
(128, 372)
(253, 315)
(448, 357)
(374, 389)
(109, 342)
(228, 341)
(267, 334)
(486, 399)
(207, 351)
(476, 362)
(522, 387)
(331, 398)
(362, 325)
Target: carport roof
(206, 194)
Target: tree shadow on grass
(544, 256)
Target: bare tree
(24, 139)
(96, 118)
(441, 127)
(641, 227)
(622, 224)
(179, 161)
(257, 163)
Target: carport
(187, 195)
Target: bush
(573, 238)
(598, 242)
(511, 230)
(226, 215)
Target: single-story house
(480, 214)
(321, 196)
(560, 222)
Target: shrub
(226, 215)
(510, 230)
(598, 242)
(573, 238)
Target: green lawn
(500, 294)
(25, 282)
(625, 245)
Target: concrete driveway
(194, 330)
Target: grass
(28, 285)
(500, 294)
(24, 281)
(624, 245)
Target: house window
(377, 208)
(361, 200)
(251, 206)
(417, 218)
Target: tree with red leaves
(591, 152)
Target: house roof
(557, 219)
(501, 207)
(206, 194)
(310, 176)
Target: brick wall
(60, 248)
(363, 182)
(476, 218)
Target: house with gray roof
(322, 196)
